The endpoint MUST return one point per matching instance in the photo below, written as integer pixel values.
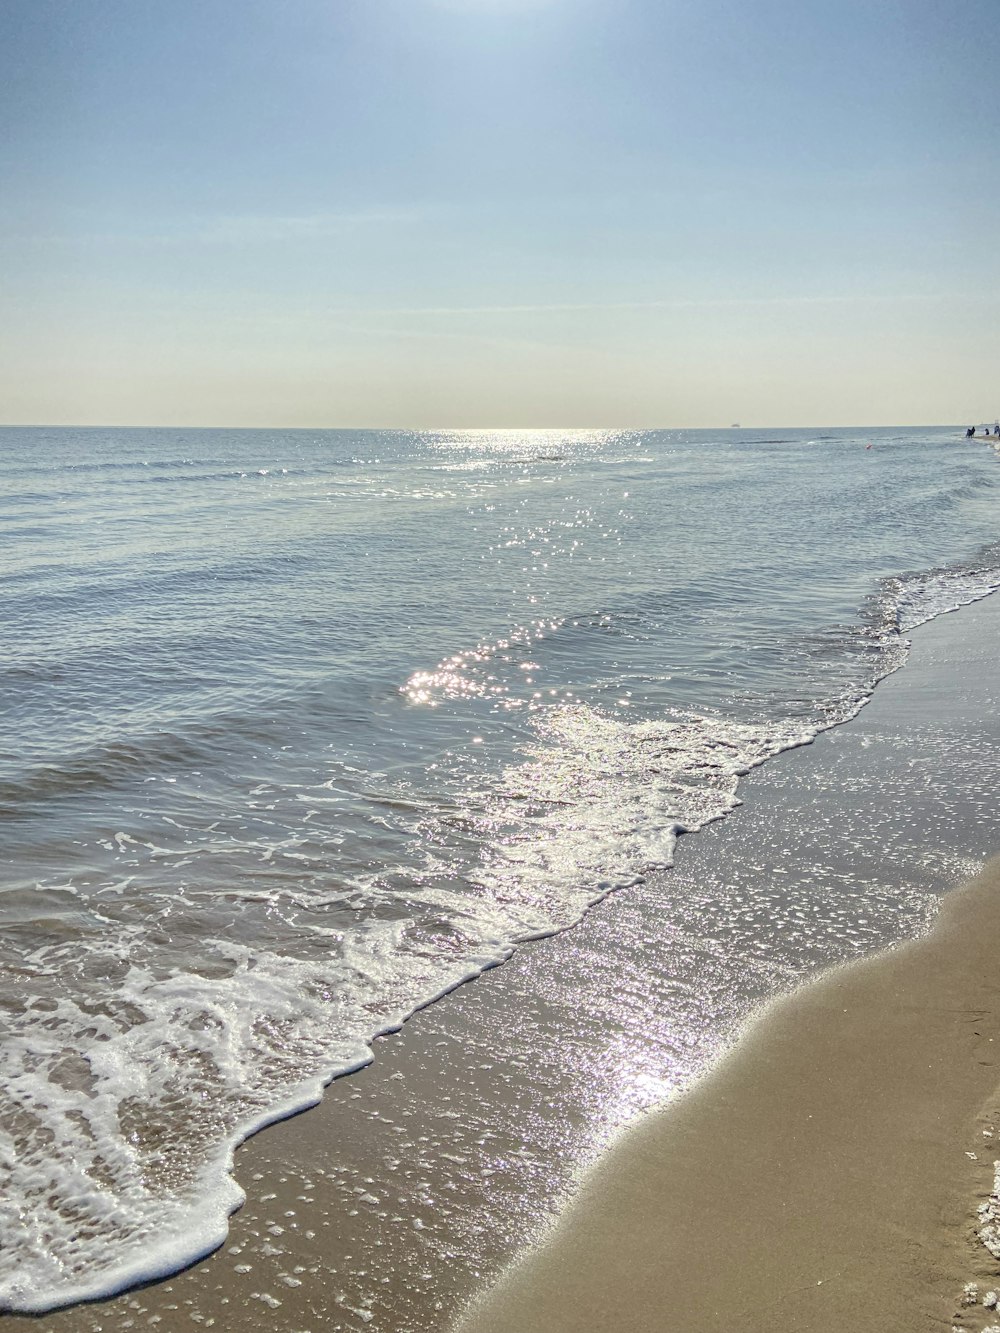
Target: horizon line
(813, 425)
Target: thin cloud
(582, 307)
(299, 226)
(235, 229)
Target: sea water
(303, 729)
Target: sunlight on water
(309, 727)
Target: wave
(109, 1104)
(52, 585)
(922, 595)
(100, 768)
(202, 727)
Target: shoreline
(822, 1176)
(421, 1178)
(836, 1169)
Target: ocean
(303, 729)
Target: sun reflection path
(528, 445)
(463, 675)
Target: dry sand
(820, 1179)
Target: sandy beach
(821, 1179)
(818, 1178)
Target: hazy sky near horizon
(499, 212)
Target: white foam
(93, 1203)
(989, 1217)
(126, 1111)
(924, 596)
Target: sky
(510, 213)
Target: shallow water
(303, 729)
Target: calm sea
(302, 729)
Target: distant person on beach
(970, 432)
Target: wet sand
(420, 1180)
(820, 1179)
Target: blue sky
(499, 212)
